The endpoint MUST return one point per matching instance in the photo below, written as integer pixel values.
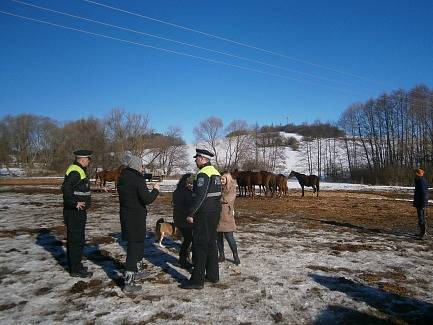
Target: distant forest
(379, 141)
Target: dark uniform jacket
(133, 198)
(207, 191)
(182, 205)
(420, 197)
(76, 187)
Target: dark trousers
(134, 253)
(421, 215)
(230, 239)
(204, 248)
(75, 222)
(186, 243)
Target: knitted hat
(132, 161)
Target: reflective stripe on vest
(82, 193)
(76, 168)
(213, 194)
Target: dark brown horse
(109, 176)
(243, 178)
(305, 180)
(256, 179)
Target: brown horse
(268, 182)
(305, 180)
(243, 178)
(109, 176)
(256, 179)
(281, 182)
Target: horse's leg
(317, 190)
(302, 186)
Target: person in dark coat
(420, 200)
(133, 198)
(76, 201)
(182, 205)
(206, 209)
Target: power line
(171, 51)
(183, 43)
(232, 41)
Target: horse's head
(292, 173)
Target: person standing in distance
(206, 209)
(420, 200)
(133, 198)
(76, 201)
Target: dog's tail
(157, 229)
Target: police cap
(83, 153)
(204, 153)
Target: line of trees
(387, 137)
(41, 145)
(379, 141)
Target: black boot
(81, 273)
(422, 231)
(191, 286)
(130, 285)
(236, 259)
(221, 257)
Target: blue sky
(375, 46)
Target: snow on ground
(292, 272)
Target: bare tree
(127, 131)
(27, 136)
(238, 144)
(167, 152)
(81, 134)
(209, 133)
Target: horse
(109, 176)
(243, 178)
(256, 179)
(305, 180)
(268, 182)
(281, 184)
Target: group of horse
(271, 184)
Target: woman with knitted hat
(420, 200)
(133, 198)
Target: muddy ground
(342, 257)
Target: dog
(163, 228)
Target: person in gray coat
(133, 198)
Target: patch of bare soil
(31, 181)
(364, 211)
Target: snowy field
(293, 271)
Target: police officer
(76, 200)
(206, 209)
